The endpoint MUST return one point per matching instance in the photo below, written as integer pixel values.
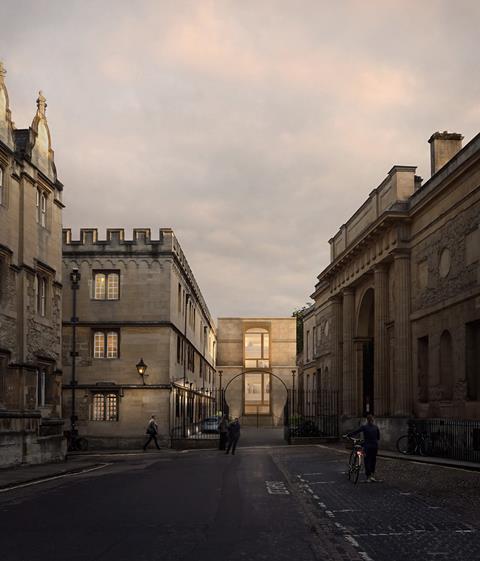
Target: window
(105, 344)
(179, 299)
(446, 366)
(41, 203)
(45, 386)
(2, 188)
(41, 295)
(107, 285)
(423, 368)
(257, 393)
(104, 407)
(257, 348)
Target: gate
(311, 414)
(194, 415)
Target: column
(337, 358)
(402, 386)
(381, 372)
(348, 385)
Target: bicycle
(412, 443)
(355, 460)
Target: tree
(299, 314)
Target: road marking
(340, 526)
(316, 497)
(364, 555)
(352, 540)
(330, 513)
(313, 473)
(277, 488)
(320, 482)
(346, 510)
(47, 479)
(323, 505)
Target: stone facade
(141, 296)
(31, 428)
(397, 311)
(256, 359)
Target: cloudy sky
(253, 128)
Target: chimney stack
(443, 146)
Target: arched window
(257, 348)
(446, 366)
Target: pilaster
(348, 383)
(381, 373)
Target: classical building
(396, 322)
(256, 362)
(137, 300)
(31, 429)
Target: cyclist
(371, 436)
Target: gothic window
(107, 285)
(257, 348)
(105, 344)
(104, 406)
(41, 203)
(41, 288)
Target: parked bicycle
(413, 443)
(76, 443)
(356, 459)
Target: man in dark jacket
(223, 431)
(233, 435)
(371, 435)
(152, 431)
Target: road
(263, 503)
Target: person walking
(233, 435)
(223, 430)
(152, 431)
(371, 435)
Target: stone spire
(3, 73)
(41, 104)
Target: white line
(46, 479)
(346, 510)
(352, 540)
(320, 482)
(316, 497)
(340, 526)
(313, 473)
(330, 513)
(323, 505)
(364, 555)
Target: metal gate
(311, 414)
(195, 413)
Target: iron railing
(448, 438)
(194, 414)
(311, 413)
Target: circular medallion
(445, 263)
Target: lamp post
(141, 369)
(293, 390)
(75, 283)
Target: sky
(253, 128)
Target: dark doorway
(368, 383)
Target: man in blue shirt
(371, 435)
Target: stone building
(31, 429)
(256, 360)
(396, 322)
(137, 299)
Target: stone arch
(365, 347)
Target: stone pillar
(402, 390)
(348, 383)
(337, 359)
(381, 371)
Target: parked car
(210, 424)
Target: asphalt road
(276, 503)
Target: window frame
(105, 332)
(104, 407)
(41, 199)
(108, 274)
(41, 294)
(262, 361)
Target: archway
(365, 338)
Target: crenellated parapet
(141, 245)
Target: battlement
(140, 244)
(116, 238)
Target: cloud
(254, 128)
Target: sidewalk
(444, 462)
(29, 474)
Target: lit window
(105, 344)
(257, 393)
(257, 348)
(105, 407)
(106, 286)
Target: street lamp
(293, 390)
(141, 369)
(75, 284)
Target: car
(210, 424)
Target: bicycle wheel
(403, 445)
(356, 468)
(351, 464)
